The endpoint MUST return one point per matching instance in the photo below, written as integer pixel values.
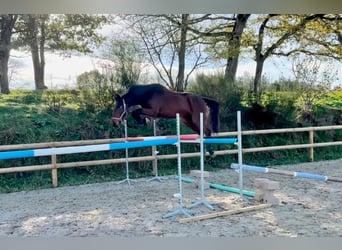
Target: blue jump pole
(285, 172)
(83, 149)
(220, 140)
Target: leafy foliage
(96, 91)
(127, 59)
(75, 32)
(30, 117)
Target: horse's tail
(214, 113)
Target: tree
(198, 38)
(96, 91)
(234, 45)
(169, 45)
(36, 36)
(63, 33)
(180, 82)
(7, 23)
(282, 35)
(321, 37)
(127, 57)
(314, 80)
(222, 35)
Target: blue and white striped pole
(83, 149)
(285, 172)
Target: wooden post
(54, 171)
(154, 152)
(311, 141)
(154, 162)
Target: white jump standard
(155, 160)
(203, 200)
(180, 209)
(128, 180)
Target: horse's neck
(137, 95)
(130, 100)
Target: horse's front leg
(140, 115)
(136, 114)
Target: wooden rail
(54, 166)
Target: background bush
(84, 113)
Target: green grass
(32, 117)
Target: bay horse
(156, 101)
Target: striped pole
(187, 138)
(83, 149)
(285, 172)
(132, 142)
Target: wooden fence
(54, 165)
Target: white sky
(61, 72)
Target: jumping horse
(156, 101)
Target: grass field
(31, 117)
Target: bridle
(125, 111)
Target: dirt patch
(307, 208)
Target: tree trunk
(42, 53)
(181, 53)
(37, 50)
(257, 78)
(4, 86)
(7, 23)
(234, 45)
(260, 59)
(38, 71)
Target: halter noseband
(123, 113)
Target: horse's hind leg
(195, 126)
(187, 120)
(207, 133)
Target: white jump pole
(180, 209)
(203, 201)
(240, 152)
(128, 180)
(155, 153)
(239, 143)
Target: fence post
(311, 141)
(154, 152)
(54, 171)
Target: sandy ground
(306, 208)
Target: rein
(123, 113)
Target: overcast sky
(61, 72)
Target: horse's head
(120, 111)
